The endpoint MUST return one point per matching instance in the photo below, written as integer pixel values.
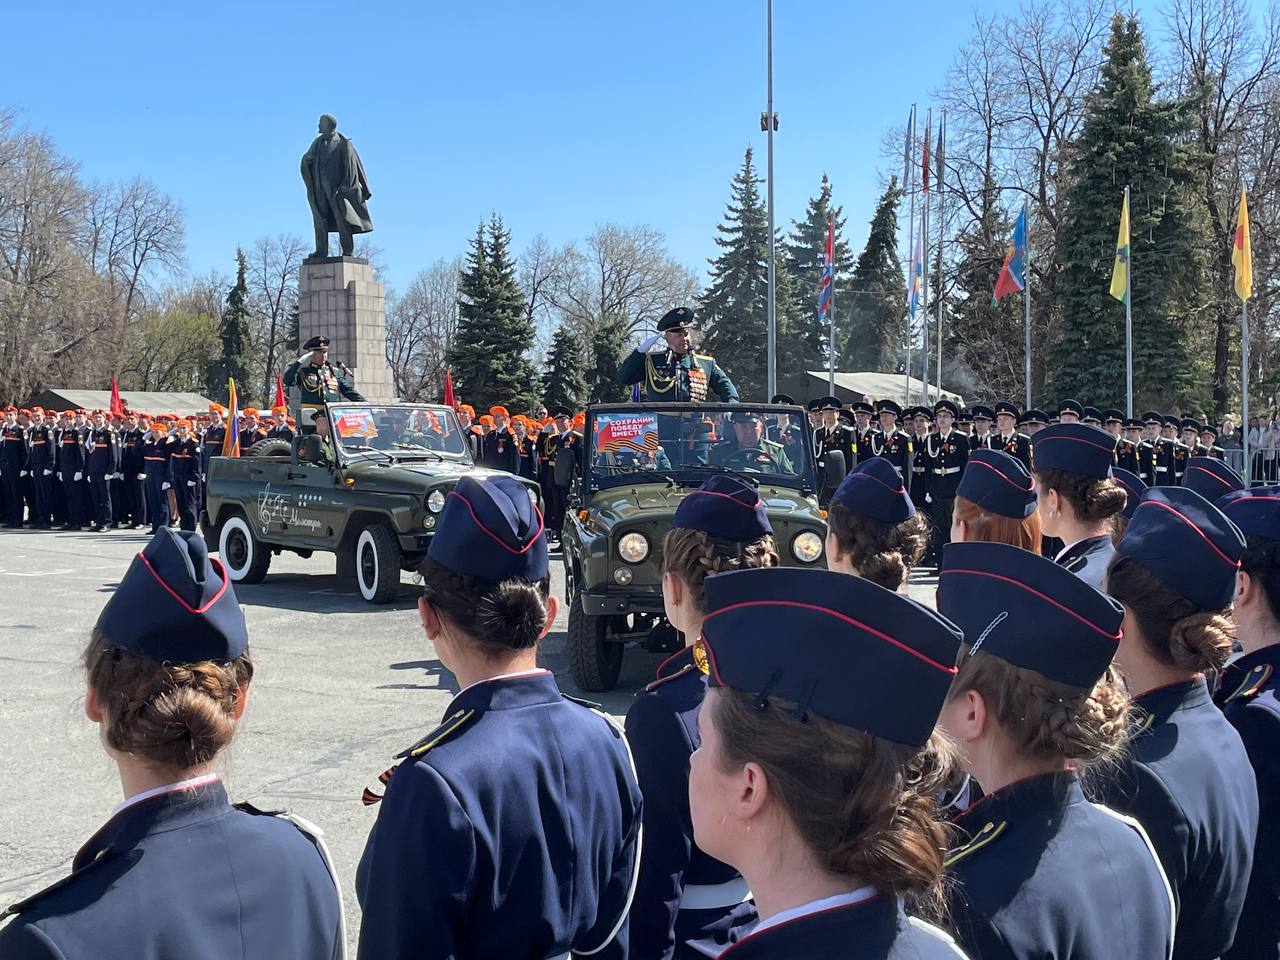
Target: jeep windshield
(404, 431)
(687, 444)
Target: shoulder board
(244, 806)
(686, 669)
(987, 835)
(438, 736)
(589, 704)
(704, 356)
(1252, 683)
(1075, 563)
(23, 905)
(1143, 725)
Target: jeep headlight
(435, 501)
(633, 547)
(807, 546)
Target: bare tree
(273, 295)
(421, 325)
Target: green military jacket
(668, 377)
(768, 452)
(317, 385)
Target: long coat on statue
(353, 191)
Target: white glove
(119, 476)
(164, 486)
(305, 357)
(59, 474)
(47, 472)
(648, 344)
(191, 483)
(22, 473)
(142, 476)
(79, 476)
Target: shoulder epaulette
(244, 806)
(1074, 563)
(704, 356)
(589, 704)
(1252, 683)
(989, 832)
(23, 905)
(687, 668)
(1143, 725)
(436, 737)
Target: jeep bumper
(616, 604)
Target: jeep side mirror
(833, 468)
(312, 448)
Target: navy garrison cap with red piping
(724, 507)
(1187, 543)
(491, 530)
(175, 604)
(1134, 486)
(998, 483)
(1256, 512)
(1029, 611)
(1211, 478)
(874, 488)
(1074, 447)
(838, 647)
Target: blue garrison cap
(840, 647)
(491, 530)
(1256, 512)
(998, 483)
(874, 488)
(1029, 611)
(1186, 542)
(1133, 485)
(1211, 478)
(1075, 447)
(175, 603)
(724, 507)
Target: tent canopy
(141, 401)
(866, 385)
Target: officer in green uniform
(675, 374)
(749, 449)
(317, 381)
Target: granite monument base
(339, 298)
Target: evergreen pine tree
(1129, 137)
(870, 312)
(234, 333)
(489, 352)
(608, 345)
(564, 381)
(804, 252)
(735, 305)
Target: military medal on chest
(697, 384)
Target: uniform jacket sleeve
(290, 377)
(631, 370)
(25, 941)
(722, 385)
(417, 869)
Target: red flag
(117, 408)
(448, 388)
(280, 401)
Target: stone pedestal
(338, 298)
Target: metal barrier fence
(1265, 465)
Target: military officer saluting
(317, 381)
(890, 442)
(1007, 438)
(675, 374)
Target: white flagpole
(1026, 307)
(924, 268)
(831, 319)
(1244, 390)
(909, 184)
(942, 133)
(1128, 311)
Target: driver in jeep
(748, 449)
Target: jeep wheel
(594, 660)
(377, 564)
(270, 447)
(244, 555)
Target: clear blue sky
(558, 114)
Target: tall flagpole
(1026, 311)
(924, 266)
(831, 311)
(1128, 311)
(1244, 390)
(909, 185)
(942, 126)
(773, 316)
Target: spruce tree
(1129, 137)
(805, 252)
(489, 351)
(871, 309)
(608, 346)
(564, 380)
(234, 333)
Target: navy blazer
(875, 929)
(1187, 780)
(185, 874)
(662, 727)
(512, 829)
(1089, 559)
(1046, 873)
(1248, 694)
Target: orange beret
(11, 409)
(498, 412)
(468, 409)
(250, 412)
(25, 411)
(217, 408)
(487, 420)
(183, 423)
(280, 409)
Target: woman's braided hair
(694, 555)
(1175, 630)
(883, 553)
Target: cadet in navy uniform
(1041, 871)
(1211, 478)
(1247, 693)
(177, 871)
(873, 528)
(1078, 497)
(103, 462)
(41, 459)
(818, 766)
(688, 905)
(71, 461)
(1008, 438)
(982, 437)
(948, 452)
(1178, 451)
(1209, 443)
(921, 465)
(499, 449)
(155, 465)
(1128, 437)
(13, 465)
(890, 442)
(1186, 777)
(833, 435)
(185, 458)
(514, 825)
(134, 470)
(863, 428)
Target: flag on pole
(449, 400)
(1013, 274)
(1120, 272)
(279, 401)
(1242, 252)
(942, 123)
(828, 276)
(917, 277)
(117, 407)
(231, 442)
(924, 166)
(906, 147)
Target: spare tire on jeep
(270, 447)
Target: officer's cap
(1070, 406)
(1256, 512)
(1134, 487)
(966, 416)
(724, 507)
(923, 412)
(1075, 447)
(846, 415)
(1029, 611)
(1210, 428)
(746, 416)
(948, 406)
(830, 403)
(561, 411)
(1132, 423)
(889, 406)
(1211, 478)
(861, 406)
(175, 604)
(1172, 421)
(1004, 406)
(1152, 417)
(1190, 423)
(1187, 543)
(814, 405)
(1091, 415)
(998, 483)
(491, 530)
(1112, 416)
(783, 398)
(854, 653)
(316, 343)
(1035, 416)
(874, 488)
(982, 413)
(681, 318)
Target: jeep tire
(594, 660)
(377, 564)
(245, 557)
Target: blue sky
(558, 115)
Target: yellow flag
(1120, 272)
(1242, 252)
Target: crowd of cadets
(78, 469)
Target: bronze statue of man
(336, 188)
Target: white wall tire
(245, 557)
(377, 564)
